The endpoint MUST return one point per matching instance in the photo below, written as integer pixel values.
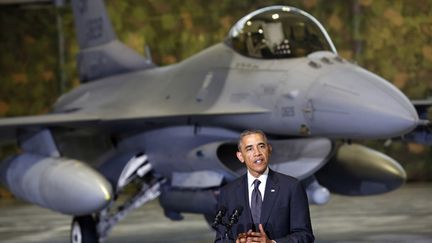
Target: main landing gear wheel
(83, 230)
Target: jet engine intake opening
(226, 154)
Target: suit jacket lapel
(270, 196)
(243, 198)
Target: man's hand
(250, 236)
(242, 237)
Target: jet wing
(9, 126)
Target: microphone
(219, 215)
(235, 216)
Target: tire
(83, 230)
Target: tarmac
(404, 215)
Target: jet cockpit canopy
(279, 32)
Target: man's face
(255, 152)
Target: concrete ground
(404, 215)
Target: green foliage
(28, 42)
(392, 38)
(399, 34)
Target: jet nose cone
(353, 103)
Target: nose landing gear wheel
(83, 230)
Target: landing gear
(110, 216)
(83, 230)
(95, 228)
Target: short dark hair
(249, 132)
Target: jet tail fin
(101, 54)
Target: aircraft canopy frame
(279, 32)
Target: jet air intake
(63, 185)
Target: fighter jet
(173, 130)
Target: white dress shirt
(262, 178)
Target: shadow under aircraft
(172, 131)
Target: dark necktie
(256, 202)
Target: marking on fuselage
(246, 66)
(204, 87)
(304, 130)
(326, 60)
(94, 28)
(287, 111)
(207, 80)
(314, 64)
(335, 87)
(238, 97)
(292, 94)
(268, 89)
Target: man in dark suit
(274, 206)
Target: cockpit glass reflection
(278, 32)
